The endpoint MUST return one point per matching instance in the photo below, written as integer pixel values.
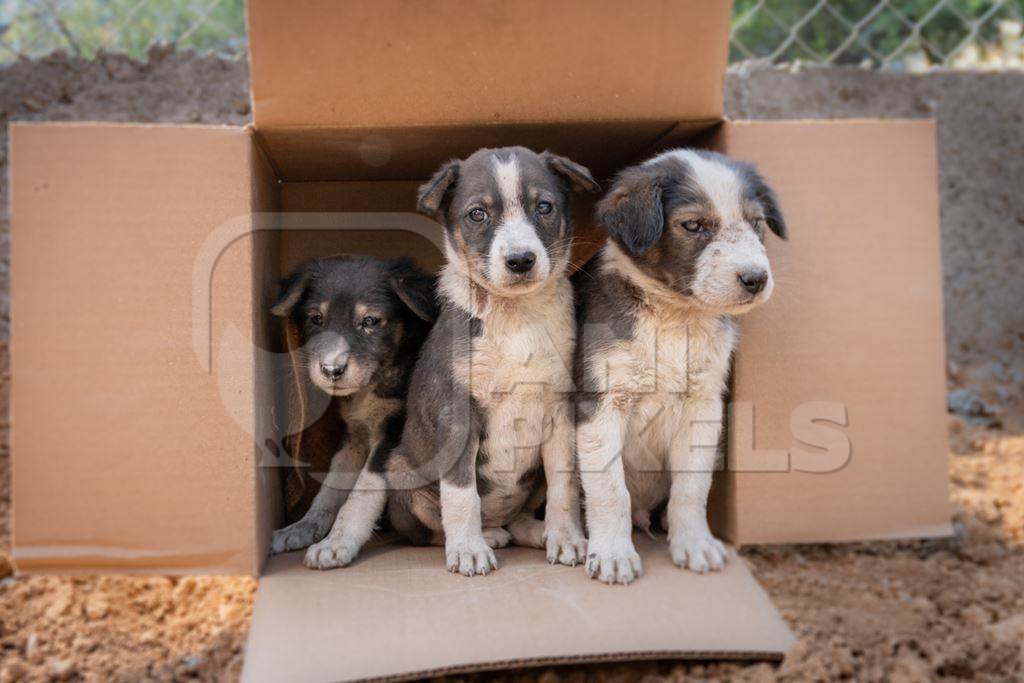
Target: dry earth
(911, 611)
(883, 611)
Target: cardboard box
(147, 395)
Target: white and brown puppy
(656, 334)
(360, 323)
(490, 398)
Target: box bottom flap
(396, 613)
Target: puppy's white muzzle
(517, 256)
(734, 274)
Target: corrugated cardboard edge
(597, 658)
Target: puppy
(685, 254)
(360, 323)
(489, 402)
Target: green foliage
(840, 31)
(886, 29)
(82, 27)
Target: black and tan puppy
(360, 322)
(489, 403)
(685, 255)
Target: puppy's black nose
(753, 280)
(332, 372)
(521, 262)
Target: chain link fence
(906, 35)
(909, 35)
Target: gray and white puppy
(489, 403)
(656, 334)
(360, 324)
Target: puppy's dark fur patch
(360, 323)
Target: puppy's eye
(477, 215)
(693, 226)
(316, 317)
(544, 208)
(370, 321)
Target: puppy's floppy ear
(632, 211)
(292, 289)
(769, 203)
(578, 177)
(434, 194)
(415, 289)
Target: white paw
(330, 553)
(497, 537)
(470, 556)
(296, 536)
(613, 560)
(700, 552)
(565, 544)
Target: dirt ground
(908, 611)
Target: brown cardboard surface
(397, 613)
(324, 218)
(414, 152)
(121, 212)
(126, 454)
(268, 395)
(391, 63)
(856, 319)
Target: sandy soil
(881, 612)
(884, 611)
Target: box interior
(208, 202)
(868, 351)
(330, 215)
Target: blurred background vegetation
(897, 34)
(33, 28)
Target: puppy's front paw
(613, 560)
(296, 536)
(330, 553)
(470, 556)
(565, 544)
(699, 552)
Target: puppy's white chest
(669, 359)
(677, 370)
(523, 351)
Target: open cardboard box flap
(371, 82)
(838, 427)
(128, 454)
(396, 613)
